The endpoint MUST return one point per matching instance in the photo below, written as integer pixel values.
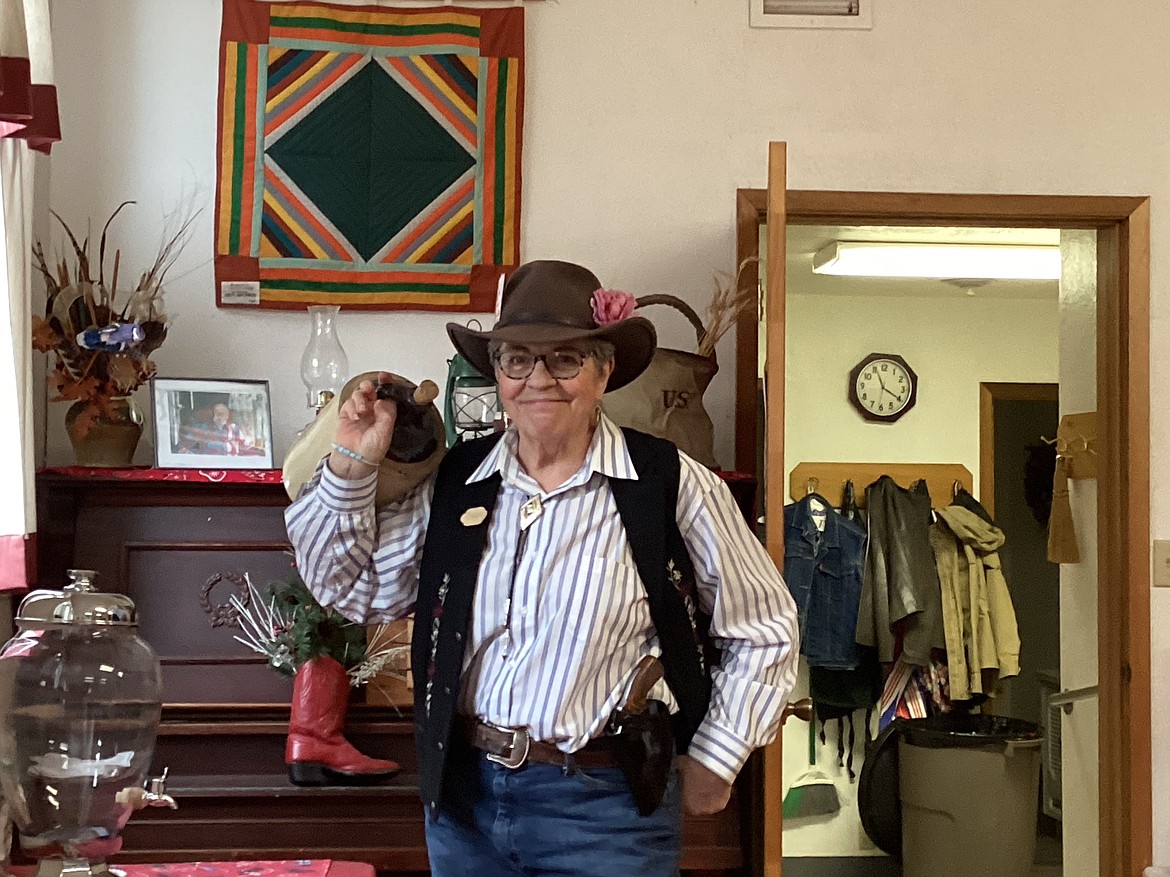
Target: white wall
(643, 118)
(954, 343)
(1080, 750)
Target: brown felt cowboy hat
(547, 302)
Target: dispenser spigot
(156, 796)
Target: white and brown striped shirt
(580, 621)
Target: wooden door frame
(989, 393)
(1123, 392)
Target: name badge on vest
(530, 511)
(473, 517)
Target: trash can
(970, 793)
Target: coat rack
(828, 479)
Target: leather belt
(513, 747)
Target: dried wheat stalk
(732, 295)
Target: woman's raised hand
(365, 425)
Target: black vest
(450, 567)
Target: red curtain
(28, 98)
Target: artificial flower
(612, 306)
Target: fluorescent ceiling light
(939, 261)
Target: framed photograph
(211, 424)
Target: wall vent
(855, 14)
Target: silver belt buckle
(518, 749)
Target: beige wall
(952, 342)
(643, 118)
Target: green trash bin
(970, 791)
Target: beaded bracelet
(353, 455)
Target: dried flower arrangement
(290, 628)
(731, 296)
(103, 346)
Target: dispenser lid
(79, 603)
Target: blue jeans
(546, 821)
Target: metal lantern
(472, 404)
(80, 701)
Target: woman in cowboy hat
(546, 568)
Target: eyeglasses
(561, 364)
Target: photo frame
(204, 423)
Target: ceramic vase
(112, 435)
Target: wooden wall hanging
(828, 479)
(1076, 444)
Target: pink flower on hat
(612, 306)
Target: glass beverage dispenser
(80, 702)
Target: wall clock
(883, 387)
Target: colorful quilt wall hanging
(368, 156)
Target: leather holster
(644, 739)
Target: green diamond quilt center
(370, 158)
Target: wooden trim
(270, 545)
(989, 392)
(1123, 294)
(125, 556)
(120, 492)
(987, 448)
(828, 479)
(1123, 527)
(1135, 395)
(775, 299)
(825, 207)
(1114, 836)
(1022, 392)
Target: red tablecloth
(297, 868)
(144, 473)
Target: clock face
(883, 387)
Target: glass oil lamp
(324, 365)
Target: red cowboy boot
(316, 753)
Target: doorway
(1017, 459)
(1121, 229)
(951, 335)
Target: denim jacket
(823, 572)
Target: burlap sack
(666, 400)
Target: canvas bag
(666, 400)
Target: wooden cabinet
(179, 549)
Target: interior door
(772, 476)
